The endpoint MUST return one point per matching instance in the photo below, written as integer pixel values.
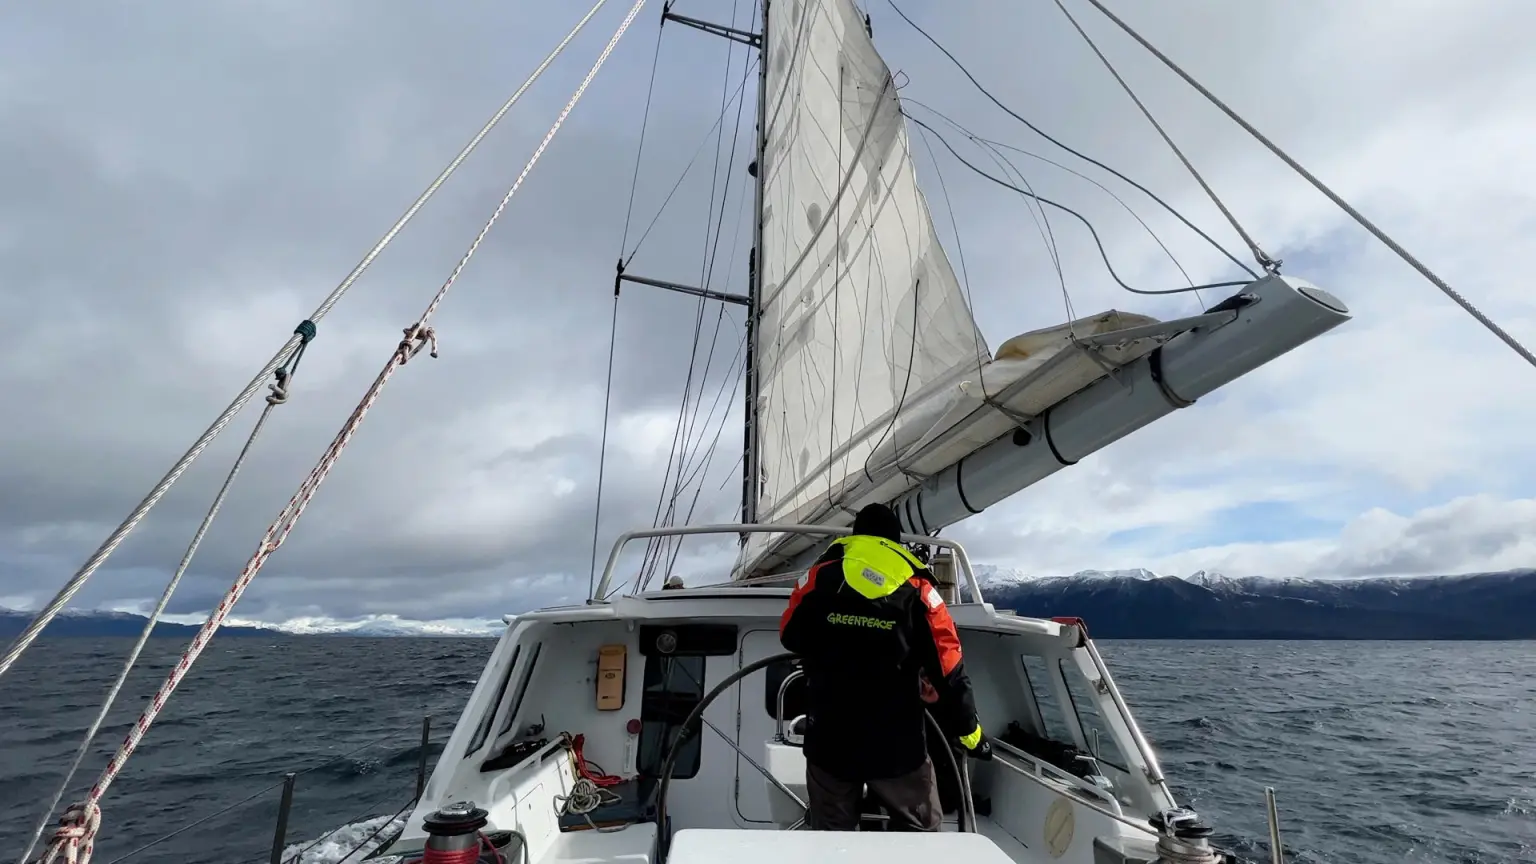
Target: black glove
(982, 751)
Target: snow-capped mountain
(73, 622)
(1208, 605)
(991, 574)
(1134, 603)
(389, 625)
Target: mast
(750, 472)
(749, 461)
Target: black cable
(1080, 217)
(602, 452)
(993, 145)
(711, 257)
(645, 120)
(691, 722)
(1043, 134)
(954, 765)
(689, 167)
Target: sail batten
(859, 309)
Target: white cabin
(624, 674)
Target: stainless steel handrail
(1154, 770)
(1097, 808)
(778, 716)
(1051, 772)
(600, 593)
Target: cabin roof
(727, 601)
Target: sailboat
(662, 722)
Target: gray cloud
(181, 184)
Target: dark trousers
(911, 800)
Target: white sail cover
(861, 313)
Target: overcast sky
(182, 182)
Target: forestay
(861, 310)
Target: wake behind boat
(662, 725)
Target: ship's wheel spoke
(777, 784)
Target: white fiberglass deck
(711, 846)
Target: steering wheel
(962, 772)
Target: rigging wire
(75, 835)
(602, 451)
(47, 614)
(712, 230)
(965, 278)
(249, 798)
(709, 454)
(1320, 186)
(1079, 154)
(278, 396)
(1269, 264)
(992, 144)
(645, 121)
(1080, 217)
(626, 258)
(684, 175)
(1043, 222)
(683, 447)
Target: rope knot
(306, 333)
(417, 337)
(75, 835)
(279, 388)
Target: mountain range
(73, 622)
(1115, 604)
(1139, 604)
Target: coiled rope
(108, 546)
(74, 838)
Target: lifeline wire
(123, 530)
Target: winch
(1183, 838)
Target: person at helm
(868, 623)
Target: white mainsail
(861, 313)
(873, 381)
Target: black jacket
(863, 647)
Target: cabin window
(1101, 741)
(522, 690)
(674, 686)
(1038, 673)
(794, 697)
(484, 729)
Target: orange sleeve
(937, 644)
(946, 640)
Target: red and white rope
(74, 839)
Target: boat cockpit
(664, 726)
